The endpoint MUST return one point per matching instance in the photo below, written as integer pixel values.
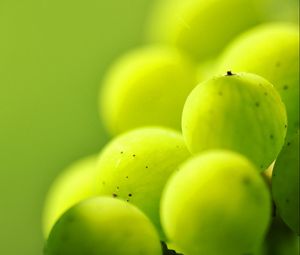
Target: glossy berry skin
(147, 86)
(242, 112)
(73, 185)
(285, 184)
(202, 28)
(217, 203)
(271, 51)
(136, 166)
(102, 226)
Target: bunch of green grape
(204, 154)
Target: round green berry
(271, 51)
(102, 226)
(285, 184)
(74, 184)
(238, 111)
(136, 165)
(217, 203)
(202, 28)
(147, 86)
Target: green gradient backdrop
(52, 57)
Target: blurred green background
(53, 54)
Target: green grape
(146, 87)
(136, 166)
(285, 184)
(103, 226)
(217, 203)
(202, 28)
(74, 184)
(272, 51)
(240, 112)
